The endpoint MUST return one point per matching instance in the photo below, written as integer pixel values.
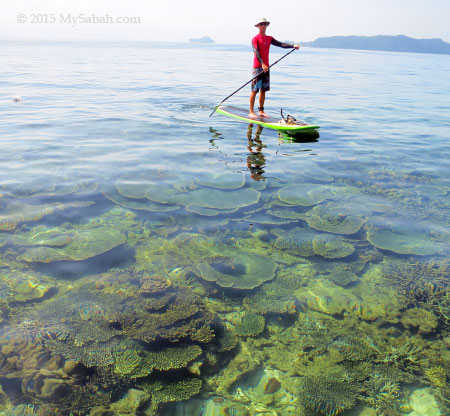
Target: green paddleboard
(270, 122)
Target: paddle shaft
(248, 82)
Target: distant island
(204, 39)
(383, 43)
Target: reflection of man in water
(255, 159)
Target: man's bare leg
(262, 98)
(252, 114)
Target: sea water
(156, 259)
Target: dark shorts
(262, 83)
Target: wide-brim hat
(263, 20)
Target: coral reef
(420, 283)
(404, 356)
(164, 391)
(224, 263)
(204, 197)
(226, 340)
(221, 180)
(237, 268)
(16, 214)
(305, 194)
(233, 282)
(27, 369)
(19, 286)
(138, 204)
(340, 272)
(344, 278)
(383, 393)
(134, 402)
(81, 244)
(404, 240)
(250, 325)
(437, 376)
(334, 218)
(327, 396)
(247, 360)
(271, 298)
(332, 246)
(422, 320)
(298, 241)
(136, 363)
(305, 242)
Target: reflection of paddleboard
(270, 122)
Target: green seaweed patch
(331, 246)
(334, 219)
(236, 268)
(304, 194)
(404, 240)
(222, 180)
(250, 325)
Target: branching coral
(383, 393)
(437, 376)
(405, 357)
(327, 396)
(421, 283)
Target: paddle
(248, 82)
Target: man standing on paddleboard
(261, 45)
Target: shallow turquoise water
(102, 126)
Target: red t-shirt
(262, 43)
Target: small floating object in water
(272, 386)
(17, 98)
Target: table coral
(331, 246)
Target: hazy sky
(228, 21)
